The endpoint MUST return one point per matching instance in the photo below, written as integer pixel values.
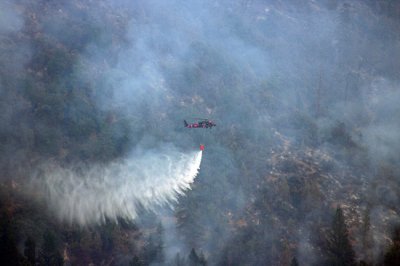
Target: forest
(97, 168)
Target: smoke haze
(90, 91)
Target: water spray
(94, 194)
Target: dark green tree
(193, 258)
(196, 260)
(392, 257)
(367, 240)
(49, 253)
(202, 259)
(159, 243)
(364, 263)
(8, 249)
(136, 261)
(30, 250)
(154, 249)
(179, 260)
(294, 262)
(338, 249)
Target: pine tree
(30, 250)
(8, 249)
(294, 262)
(202, 259)
(366, 237)
(154, 249)
(195, 259)
(159, 243)
(136, 261)
(338, 248)
(392, 257)
(179, 260)
(49, 254)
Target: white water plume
(96, 193)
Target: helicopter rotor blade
(201, 118)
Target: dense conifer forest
(97, 168)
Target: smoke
(93, 194)
(136, 69)
(10, 21)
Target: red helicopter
(202, 123)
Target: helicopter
(202, 123)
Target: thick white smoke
(87, 195)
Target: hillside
(305, 96)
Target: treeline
(81, 247)
(27, 240)
(31, 236)
(54, 114)
(333, 246)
